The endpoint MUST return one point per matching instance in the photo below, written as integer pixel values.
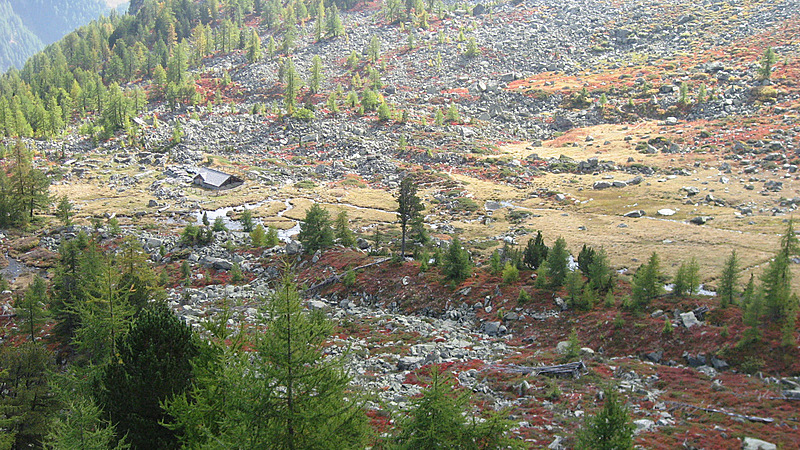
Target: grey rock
(757, 444)
(410, 362)
(719, 364)
(293, 248)
(694, 360)
(362, 244)
(690, 190)
(635, 214)
(689, 320)
(562, 347)
(643, 426)
(700, 220)
(316, 305)
(601, 185)
(655, 356)
(491, 328)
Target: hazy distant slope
(53, 19)
(17, 42)
(26, 26)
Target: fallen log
(573, 369)
(722, 411)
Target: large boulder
(635, 214)
(410, 362)
(689, 320)
(601, 184)
(757, 444)
(294, 247)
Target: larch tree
(557, 261)
(457, 265)
(648, 282)
(315, 78)
(610, 429)
(284, 395)
(315, 229)
(728, 280)
(409, 206)
(776, 281)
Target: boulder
(562, 347)
(601, 185)
(694, 360)
(315, 305)
(643, 426)
(700, 220)
(655, 356)
(690, 190)
(491, 328)
(409, 362)
(757, 444)
(362, 244)
(635, 214)
(666, 212)
(689, 320)
(293, 247)
(719, 364)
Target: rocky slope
(573, 121)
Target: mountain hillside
(26, 26)
(551, 204)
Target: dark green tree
(409, 206)
(457, 266)
(246, 218)
(535, 252)
(585, 258)
(293, 84)
(315, 229)
(79, 265)
(285, 395)
(437, 421)
(154, 362)
(776, 281)
(610, 429)
(315, 78)
(557, 261)
(64, 211)
(728, 281)
(26, 401)
(31, 308)
(342, 230)
(601, 277)
(767, 61)
(648, 282)
(687, 278)
(334, 27)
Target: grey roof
(213, 177)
